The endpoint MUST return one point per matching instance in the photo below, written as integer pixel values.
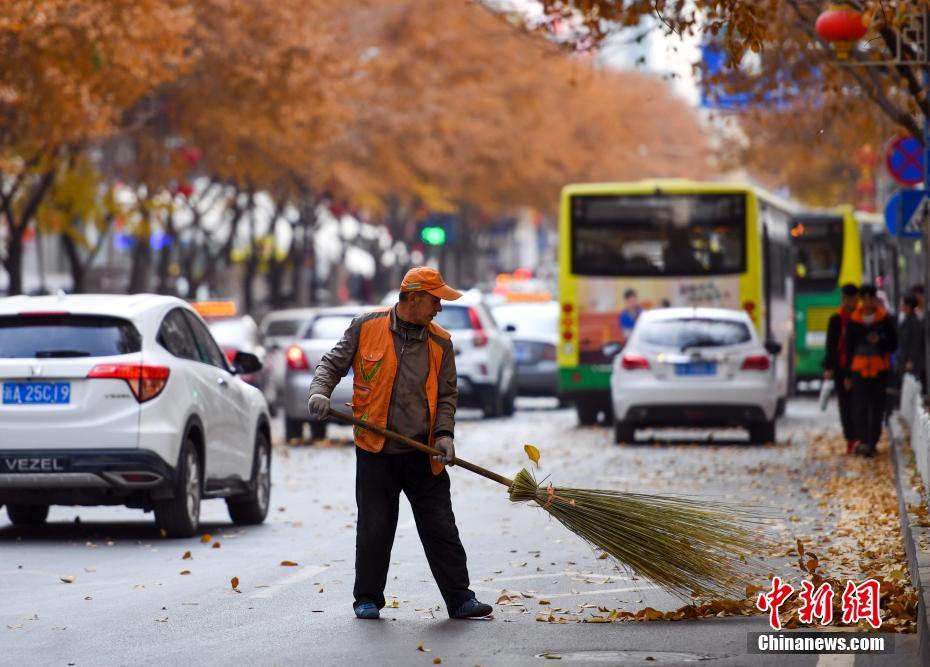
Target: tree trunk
(74, 263)
(14, 262)
(139, 277)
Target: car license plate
(36, 393)
(696, 368)
(14, 464)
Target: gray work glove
(318, 405)
(445, 445)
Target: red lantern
(842, 25)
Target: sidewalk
(915, 528)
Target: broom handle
(397, 437)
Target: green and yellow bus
(828, 254)
(676, 243)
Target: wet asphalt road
(131, 604)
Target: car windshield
(283, 327)
(683, 334)
(329, 326)
(454, 318)
(536, 319)
(50, 336)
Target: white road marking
(406, 525)
(296, 578)
(571, 575)
(550, 596)
(836, 660)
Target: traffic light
(433, 235)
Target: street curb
(918, 562)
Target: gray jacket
(409, 412)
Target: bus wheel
(587, 413)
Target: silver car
(319, 336)
(280, 328)
(533, 328)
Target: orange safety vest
(869, 365)
(375, 367)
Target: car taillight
(230, 353)
(633, 362)
(757, 362)
(145, 381)
(480, 338)
(296, 359)
(548, 352)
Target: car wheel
(293, 428)
(317, 430)
(493, 404)
(510, 400)
(180, 516)
(624, 432)
(27, 515)
(252, 507)
(587, 413)
(763, 433)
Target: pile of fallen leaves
(857, 537)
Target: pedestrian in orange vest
(870, 339)
(405, 380)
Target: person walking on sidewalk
(405, 380)
(836, 361)
(870, 340)
(910, 357)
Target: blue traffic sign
(905, 160)
(908, 210)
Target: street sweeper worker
(404, 380)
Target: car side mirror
(510, 328)
(611, 349)
(246, 362)
(773, 347)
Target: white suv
(126, 400)
(484, 357)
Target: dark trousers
(379, 479)
(844, 400)
(868, 406)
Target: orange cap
(428, 279)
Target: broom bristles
(688, 546)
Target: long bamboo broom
(689, 546)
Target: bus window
(819, 245)
(658, 235)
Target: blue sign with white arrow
(909, 211)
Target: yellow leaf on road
(185, 572)
(206, 537)
(234, 582)
(288, 563)
(532, 452)
(423, 649)
(68, 578)
(186, 556)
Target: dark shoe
(473, 609)
(367, 610)
(863, 449)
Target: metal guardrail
(915, 415)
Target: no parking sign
(905, 161)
